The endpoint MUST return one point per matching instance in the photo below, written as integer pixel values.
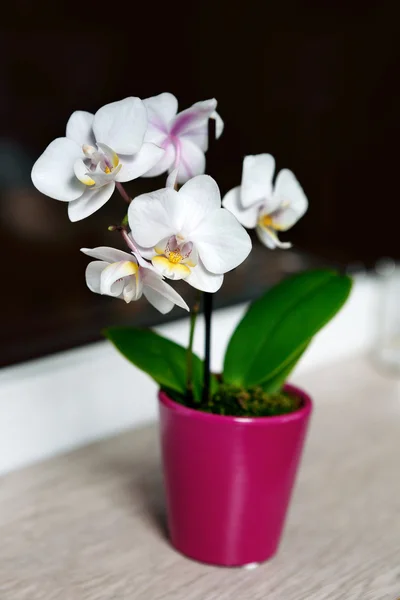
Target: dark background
(315, 84)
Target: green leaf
(278, 326)
(163, 360)
(274, 384)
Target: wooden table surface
(89, 525)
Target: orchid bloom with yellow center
(175, 259)
(127, 276)
(268, 208)
(98, 151)
(187, 235)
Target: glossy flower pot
(228, 480)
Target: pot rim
(296, 415)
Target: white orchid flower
(184, 136)
(187, 234)
(98, 151)
(258, 204)
(128, 276)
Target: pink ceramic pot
(228, 480)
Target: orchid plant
(185, 231)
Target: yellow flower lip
(131, 267)
(115, 159)
(265, 221)
(87, 180)
(175, 257)
(174, 269)
(174, 260)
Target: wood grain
(89, 525)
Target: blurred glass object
(386, 352)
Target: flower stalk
(189, 354)
(125, 235)
(128, 240)
(123, 192)
(208, 300)
(208, 306)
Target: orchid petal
(121, 125)
(192, 211)
(129, 291)
(246, 216)
(141, 260)
(160, 302)
(270, 205)
(172, 179)
(219, 124)
(257, 176)
(166, 162)
(292, 199)
(112, 278)
(161, 110)
(80, 128)
(222, 243)
(193, 118)
(107, 254)
(53, 172)
(198, 137)
(133, 288)
(89, 202)
(199, 134)
(193, 258)
(144, 253)
(192, 161)
(93, 274)
(155, 216)
(156, 136)
(137, 164)
(81, 172)
(268, 237)
(203, 280)
(158, 287)
(204, 189)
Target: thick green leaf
(274, 384)
(279, 325)
(163, 360)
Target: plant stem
(208, 297)
(123, 231)
(127, 239)
(208, 305)
(189, 354)
(123, 192)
